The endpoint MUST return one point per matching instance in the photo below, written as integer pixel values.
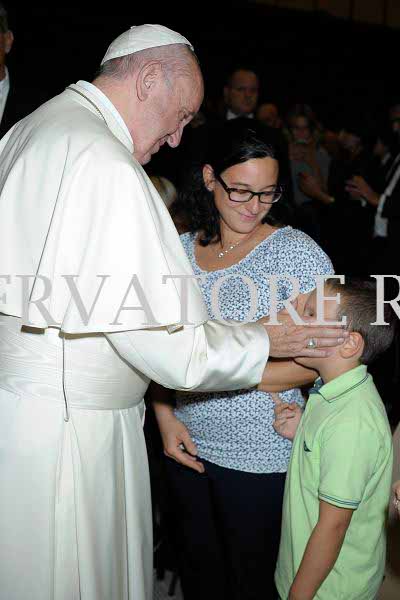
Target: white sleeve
(209, 357)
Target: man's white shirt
(392, 178)
(4, 90)
(230, 115)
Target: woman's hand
(177, 442)
(396, 500)
(312, 187)
(287, 417)
(281, 375)
(358, 188)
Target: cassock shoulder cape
(83, 207)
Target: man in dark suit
(241, 93)
(16, 101)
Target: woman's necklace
(232, 246)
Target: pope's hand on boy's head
(290, 340)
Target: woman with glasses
(226, 465)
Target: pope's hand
(177, 442)
(287, 417)
(289, 340)
(396, 500)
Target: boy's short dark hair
(358, 304)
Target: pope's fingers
(313, 331)
(329, 342)
(314, 353)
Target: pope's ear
(209, 177)
(8, 39)
(149, 76)
(353, 347)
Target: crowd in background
(338, 184)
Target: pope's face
(170, 111)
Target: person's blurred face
(349, 141)
(6, 42)
(394, 115)
(241, 95)
(380, 149)
(301, 131)
(268, 114)
(258, 174)
(170, 107)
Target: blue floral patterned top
(234, 429)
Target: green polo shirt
(342, 454)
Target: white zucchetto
(142, 37)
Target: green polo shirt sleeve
(348, 455)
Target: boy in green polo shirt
(338, 484)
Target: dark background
(338, 66)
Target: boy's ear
(353, 347)
(208, 177)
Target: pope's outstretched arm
(210, 357)
(219, 357)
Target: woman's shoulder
(290, 236)
(297, 245)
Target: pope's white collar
(107, 104)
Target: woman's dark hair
(229, 144)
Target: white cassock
(75, 506)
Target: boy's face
(309, 315)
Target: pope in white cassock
(87, 321)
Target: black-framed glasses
(237, 195)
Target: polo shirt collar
(339, 386)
